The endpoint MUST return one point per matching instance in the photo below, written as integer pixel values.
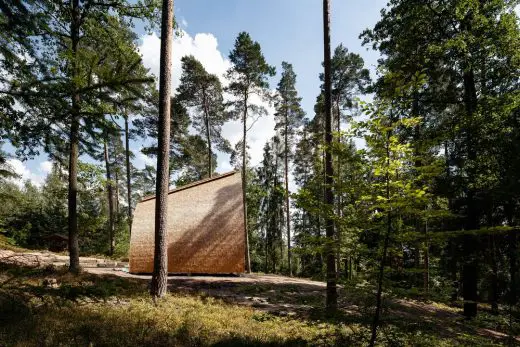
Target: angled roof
(193, 184)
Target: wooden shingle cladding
(205, 228)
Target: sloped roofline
(193, 184)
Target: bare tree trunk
(160, 268)
(279, 225)
(110, 194)
(208, 135)
(350, 268)
(244, 182)
(377, 314)
(426, 273)
(266, 269)
(332, 295)
(470, 273)
(72, 196)
(287, 206)
(452, 244)
(74, 148)
(338, 195)
(128, 175)
(494, 276)
(512, 266)
(116, 197)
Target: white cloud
(204, 47)
(142, 159)
(25, 174)
(46, 166)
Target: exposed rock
(50, 282)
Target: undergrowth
(49, 307)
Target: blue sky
(287, 30)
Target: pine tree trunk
(116, 197)
(208, 135)
(470, 274)
(266, 269)
(452, 244)
(332, 296)
(160, 268)
(74, 147)
(377, 314)
(469, 270)
(318, 258)
(513, 249)
(279, 226)
(72, 196)
(338, 195)
(416, 259)
(244, 182)
(110, 196)
(426, 271)
(128, 175)
(350, 268)
(287, 207)
(494, 277)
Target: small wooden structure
(205, 228)
(57, 242)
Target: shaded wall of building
(205, 229)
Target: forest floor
(213, 310)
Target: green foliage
(201, 92)
(248, 76)
(188, 152)
(289, 114)
(107, 51)
(268, 210)
(30, 214)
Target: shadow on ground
(48, 306)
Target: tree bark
(116, 196)
(513, 249)
(266, 269)
(208, 135)
(244, 181)
(452, 244)
(426, 272)
(128, 175)
(494, 277)
(350, 268)
(332, 296)
(383, 258)
(279, 226)
(110, 194)
(338, 195)
(287, 207)
(469, 276)
(377, 314)
(160, 269)
(74, 147)
(469, 270)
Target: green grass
(6, 243)
(90, 310)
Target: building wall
(205, 229)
